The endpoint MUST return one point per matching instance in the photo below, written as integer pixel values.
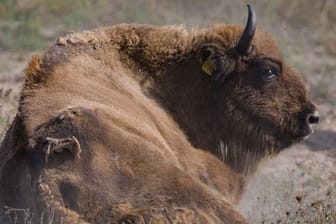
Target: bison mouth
(308, 121)
(303, 133)
(306, 124)
(278, 137)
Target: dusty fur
(160, 141)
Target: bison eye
(269, 74)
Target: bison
(147, 124)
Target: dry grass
(16, 215)
(9, 215)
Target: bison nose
(313, 118)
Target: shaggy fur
(159, 141)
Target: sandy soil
(298, 186)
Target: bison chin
(286, 139)
(307, 120)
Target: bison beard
(146, 124)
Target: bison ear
(215, 63)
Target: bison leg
(58, 145)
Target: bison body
(124, 125)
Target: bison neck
(191, 97)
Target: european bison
(147, 124)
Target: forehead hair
(228, 36)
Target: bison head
(263, 100)
(251, 103)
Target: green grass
(25, 24)
(34, 24)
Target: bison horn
(244, 44)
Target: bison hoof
(58, 145)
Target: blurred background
(298, 186)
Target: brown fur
(151, 125)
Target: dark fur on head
(237, 113)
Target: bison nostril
(313, 118)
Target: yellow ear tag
(207, 68)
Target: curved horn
(244, 44)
